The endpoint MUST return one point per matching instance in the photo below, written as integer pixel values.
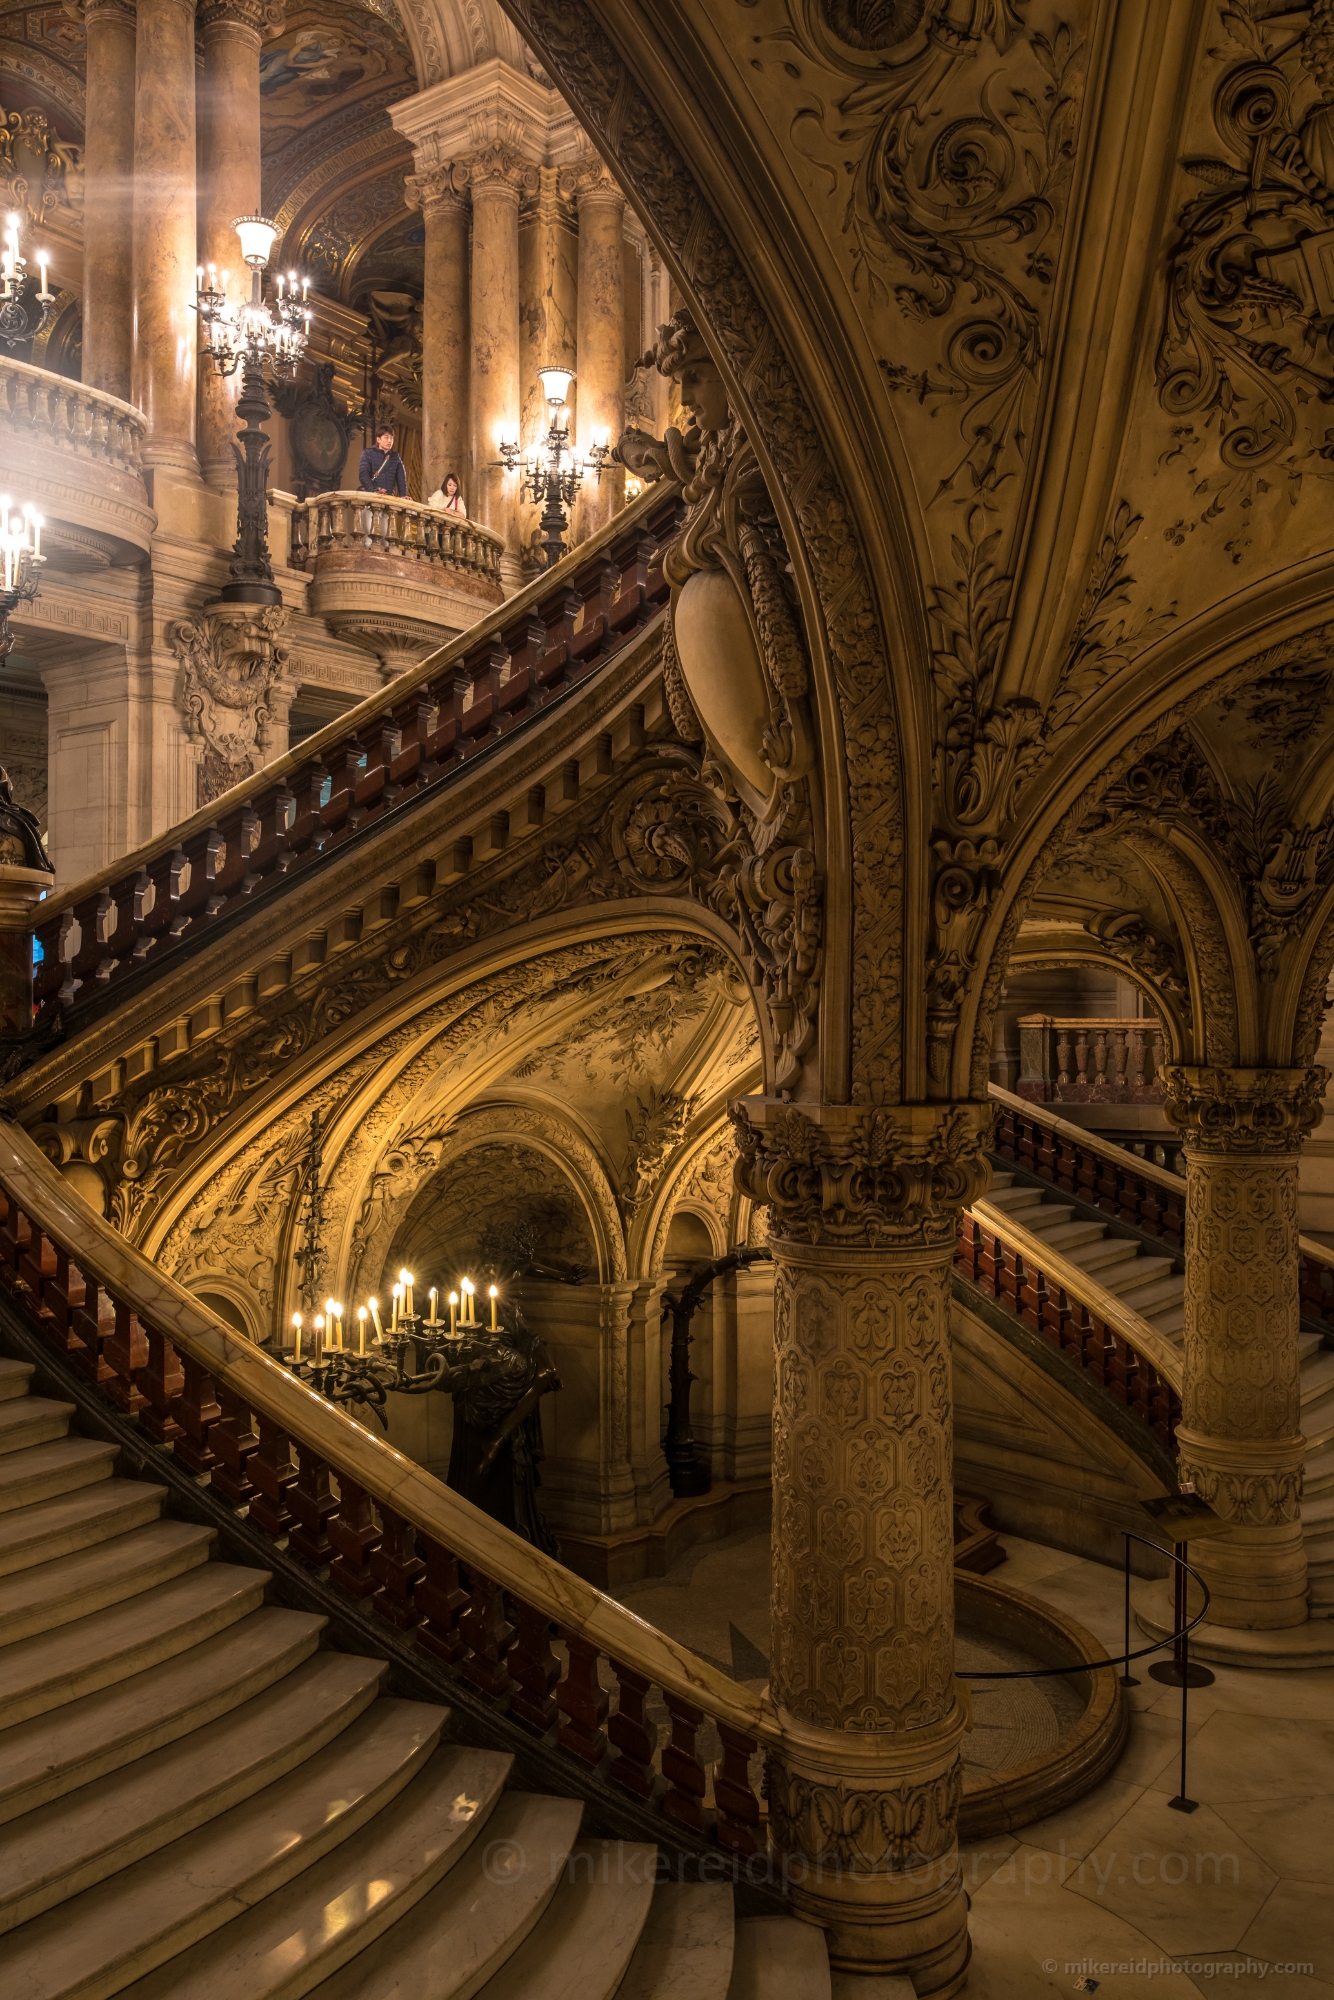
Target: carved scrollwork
(234, 666)
(1251, 1111)
(894, 1831)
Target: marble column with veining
(1239, 1442)
(600, 385)
(166, 333)
(499, 177)
(108, 202)
(228, 101)
(441, 193)
(864, 1793)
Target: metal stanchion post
(1181, 1803)
(1127, 1678)
(1178, 1671)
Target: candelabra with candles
(22, 559)
(363, 1376)
(262, 337)
(554, 473)
(22, 315)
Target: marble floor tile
(1153, 1746)
(979, 1859)
(1259, 1760)
(1294, 1835)
(1032, 1937)
(1080, 1827)
(1296, 1923)
(1186, 1880)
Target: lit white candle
(453, 1312)
(361, 1329)
(319, 1339)
(37, 526)
(432, 1321)
(338, 1326)
(374, 1305)
(492, 1295)
(395, 1295)
(296, 1354)
(43, 259)
(407, 1285)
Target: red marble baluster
(396, 1567)
(632, 1735)
(738, 1828)
(233, 1439)
(354, 1536)
(310, 1502)
(95, 1323)
(583, 1701)
(441, 1598)
(127, 1353)
(488, 1635)
(62, 1295)
(197, 1410)
(162, 1381)
(534, 1669)
(1033, 1295)
(681, 1765)
(272, 1471)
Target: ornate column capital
(1253, 1111)
(439, 190)
(262, 17)
(121, 12)
(590, 181)
(500, 169)
(863, 1176)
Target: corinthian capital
(865, 1176)
(498, 168)
(439, 190)
(264, 18)
(590, 180)
(1251, 1111)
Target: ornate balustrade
(1090, 1061)
(339, 530)
(1134, 1190)
(385, 756)
(1117, 1349)
(77, 455)
(391, 1537)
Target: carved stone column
(108, 202)
(864, 1211)
(600, 386)
(166, 336)
(1240, 1439)
(499, 177)
(230, 32)
(441, 193)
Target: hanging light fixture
(22, 315)
(554, 474)
(22, 559)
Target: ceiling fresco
(41, 65)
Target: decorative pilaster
(441, 193)
(108, 209)
(600, 385)
(499, 177)
(166, 337)
(1240, 1440)
(230, 33)
(864, 1207)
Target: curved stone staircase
(197, 1800)
(1154, 1287)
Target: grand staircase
(1152, 1286)
(199, 1799)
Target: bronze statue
(498, 1382)
(20, 835)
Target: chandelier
(416, 1352)
(265, 338)
(21, 555)
(553, 473)
(20, 319)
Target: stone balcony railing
(1090, 1061)
(391, 575)
(76, 455)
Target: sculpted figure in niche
(735, 636)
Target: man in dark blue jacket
(381, 469)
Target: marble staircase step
(26, 1420)
(14, 1378)
(87, 1738)
(449, 1943)
(1155, 1284)
(101, 1940)
(58, 1850)
(44, 1470)
(585, 1938)
(1066, 1236)
(322, 1922)
(42, 1673)
(685, 1948)
(779, 1958)
(1170, 1321)
(1101, 1254)
(38, 1600)
(60, 1526)
(1308, 1345)
(1011, 1199)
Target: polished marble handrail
(329, 524)
(340, 1499)
(386, 755)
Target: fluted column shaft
(441, 193)
(864, 1209)
(165, 329)
(1239, 1441)
(108, 202)
(601, 330)
(498, 177)
(229, 185)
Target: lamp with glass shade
(553, 474)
